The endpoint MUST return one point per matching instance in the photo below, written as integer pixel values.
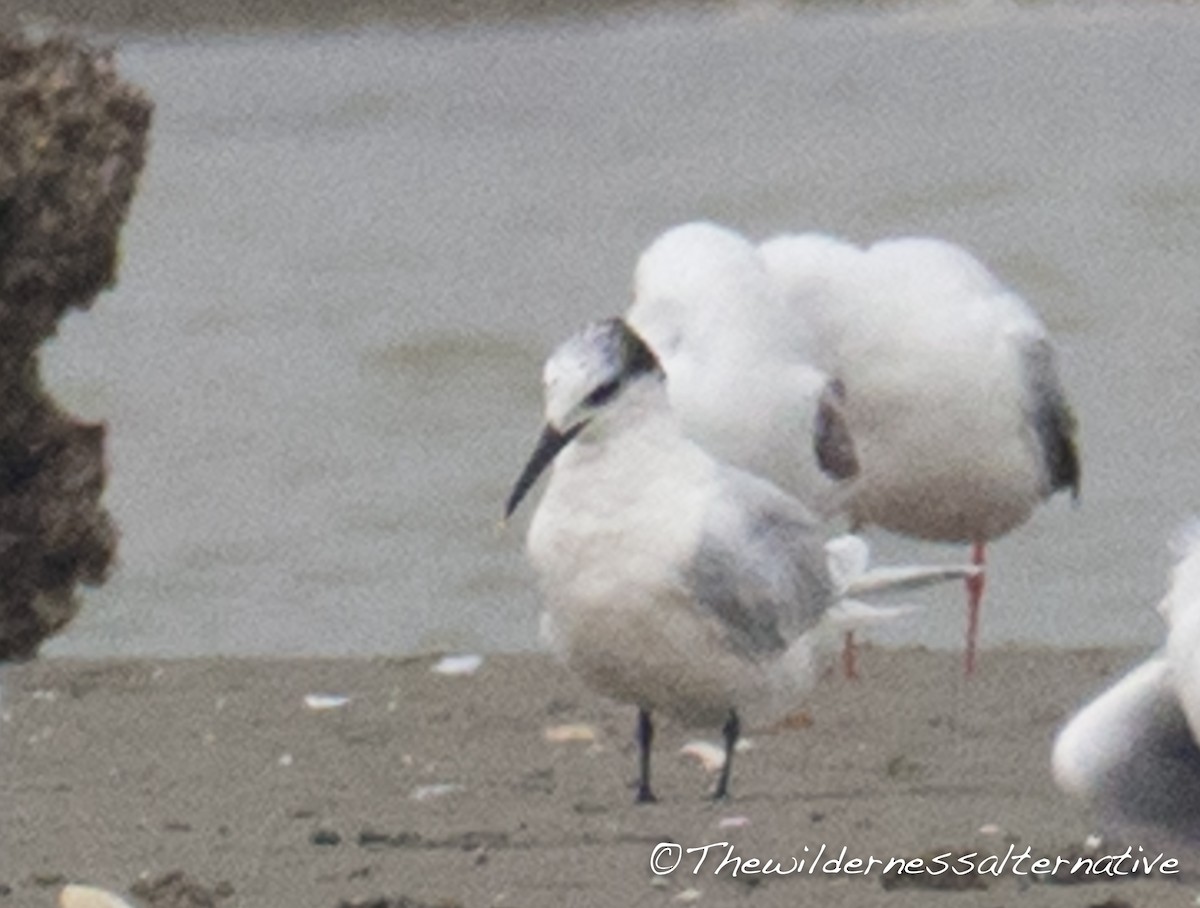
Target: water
(351, 252)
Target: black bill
(548, 446)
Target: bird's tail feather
(849, 556)
(848, 614)
(907, 577)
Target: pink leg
(850, 657)
(974, 597)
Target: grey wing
(760, 569)
(1050, 417)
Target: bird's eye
(602, 394)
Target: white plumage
(1132, 753)
(671, 581)
(926, 384)
(748, 393)
(952, 395)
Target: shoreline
(337, 782)
(178, 19)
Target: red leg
(974, 598)
(850, 657)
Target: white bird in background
(1132, 752)
(951, 389)
(905, 369)
(751, 396)
(671, 581)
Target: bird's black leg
(645, 735)
(731, 731)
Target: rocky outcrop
(72, 145)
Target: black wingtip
(1062, 455)
(832, 441)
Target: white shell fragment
(563, 734)
(325, 701)
(89, 897)
(466, 664)
(733, 823)
(438, 790)
(712, 756)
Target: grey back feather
(761, 568)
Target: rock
(72, 147)
(175, 889)
(326, 837)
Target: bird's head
(585, 380)
(689, 284)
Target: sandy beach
(214, 782)
(256, 493)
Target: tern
(674, 582)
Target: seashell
(733, 822)
(325, 701)
(438, 790)
(709, 755)
(466, 664)
(74, 896)
(562, 734)
(712, 756)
